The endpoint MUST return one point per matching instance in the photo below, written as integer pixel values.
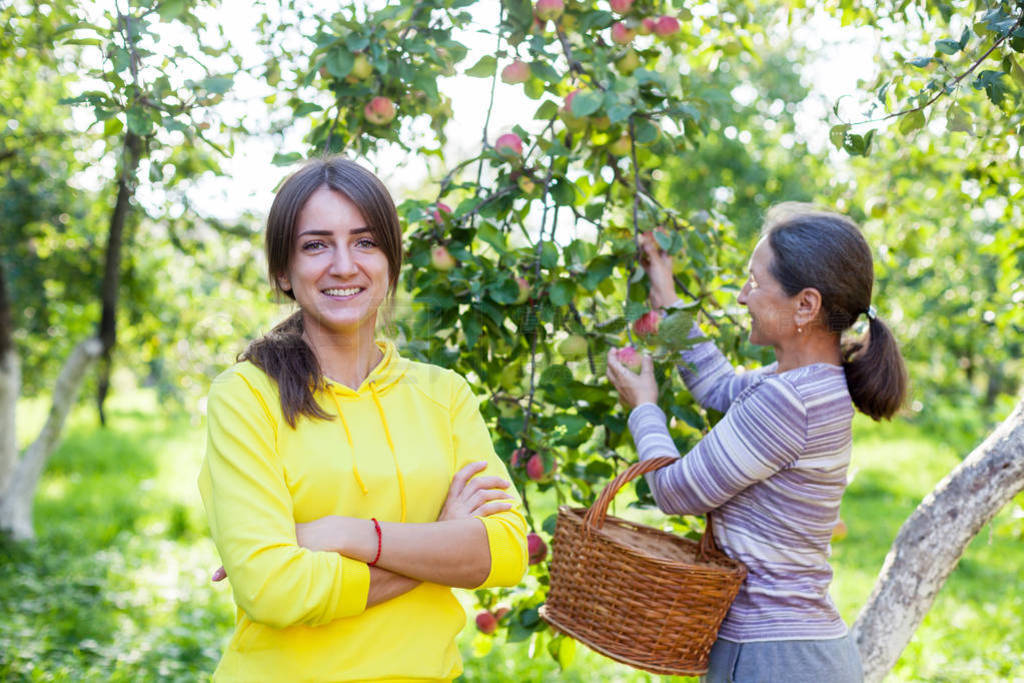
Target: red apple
(621, 6)
(509, 145)
(666, 26)
(441, 258)
(647, 324)
(535, 467)
(524, 290)
(379, 111)
(486, 622)
(630, 357)
(622, 34)
(646, 26)
(520, 456)
(536, 548)
(501, 610)
(516, 72)
(548, 9)
(440, 211)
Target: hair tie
(872, 313)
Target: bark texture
(112, 266)
(10, 386)
(932, 540)
(16, 500)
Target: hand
(658, 265)
(633, 389)
(470, 496)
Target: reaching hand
(470, 496)
(658, 265)
(633, 389)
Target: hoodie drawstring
(348, 435)
(387, 436)
(391, 444)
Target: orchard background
(130, 275)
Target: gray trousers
(785, 661)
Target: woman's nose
(742, 298)
(343, 263)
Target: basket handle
(594, 519)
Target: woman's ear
(808, 306)
(284, 283)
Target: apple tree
(522, 269)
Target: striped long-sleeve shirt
(773, 470)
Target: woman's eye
(366, 243)
(312, 245)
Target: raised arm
(249, 508)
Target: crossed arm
(453, 551)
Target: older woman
(773, 470)
(348, 488)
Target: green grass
(117, 588)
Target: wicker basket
(641, 596)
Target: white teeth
(342, 292)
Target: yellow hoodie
(401, 437)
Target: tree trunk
(932, 540)
(16, 501)
(112, 268)
(10, 387)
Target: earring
(799, 330)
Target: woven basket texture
(636, 594)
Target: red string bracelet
(376, 525)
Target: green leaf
(561, 292)
(563, 191)
(217, 85)
(483, 68)
(556, 376)
(947, 46)
(838, 134)
(958, 119)
(505, 291)
(920, 61)
(339, 62)
(492, 236)
(566, 652)
(286, 159)
(674, 330)
(95, 42)
(586, 103)
(619, 112)
(306, 108)
(170, 9)
(646, 132)
(546, 111)
(911, 122)
(549, 256)
(139, 122)
(112, 127)
(544, 72)
(597, 272)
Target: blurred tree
(151, 120)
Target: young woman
(773, 470)
(347, 488)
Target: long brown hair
(813, 248)
(282, 353)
